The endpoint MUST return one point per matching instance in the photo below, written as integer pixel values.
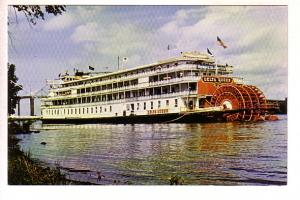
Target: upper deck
(195, 62)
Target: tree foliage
(32, 13)
(13, 89)
(35, 12)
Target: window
(91, 110)
(151, 104)
(100, 109)
(71, 111)
(138, 106)
(82, 110)
(75, 110)
(96, 110)
(87, 110)
(176, 102)
(145, 106)
(158, 104)
(110, 108)
(167, 102)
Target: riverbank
(24, 170)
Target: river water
(150, 154)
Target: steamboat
(189, 88)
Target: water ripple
(147, 154)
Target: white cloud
(86, 32)
(59, 22)
(112, 39)
(256, 36)
(73, 16)
(88, 12)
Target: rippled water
(202, 154)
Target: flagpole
(216, 67)
(118, 63)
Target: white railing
(175, 80)
(131, 87)
(148, 73)
(142, 74)
(157, 71)
(141, 98)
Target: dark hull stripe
(161, 118)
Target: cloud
(107, 41)
(59, 22)
(75, 15)
(256, 36)
(86, 32)
(95, 35)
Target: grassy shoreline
(24, 170)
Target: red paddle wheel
(246, 101)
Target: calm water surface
(147, 154)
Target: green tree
(35, 12)
(32, 13)
(13, 89)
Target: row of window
(104, 109)
(128, 94)
(134, 82)
(107, 87)
(153, 68)
(71, 111)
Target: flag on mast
(91, 68)
(221, 43)
(208, 51)
(125, 59)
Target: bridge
(41, 93)
(23, 118)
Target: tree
(35, 12)
(13, 89)
(32, 13)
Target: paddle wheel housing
(240, 102)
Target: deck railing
(157, 71)
(131, 99)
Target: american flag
(221, 43)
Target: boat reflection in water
(213, 153)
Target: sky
(256, 36)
